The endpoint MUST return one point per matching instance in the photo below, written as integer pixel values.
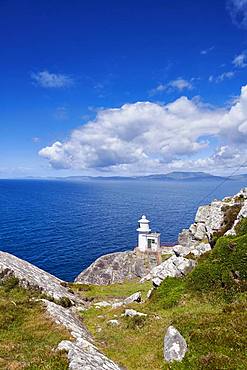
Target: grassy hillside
(208, 307)
(27, 336)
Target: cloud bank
(148, 137)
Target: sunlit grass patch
(28, 338)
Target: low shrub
(169, 293)
(65, 302)
(136, 322)
(10, 283)
(241, 227)
(225, 268)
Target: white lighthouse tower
(147, 241)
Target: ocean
(63, 226)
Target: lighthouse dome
(144, 220)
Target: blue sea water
(62, 226)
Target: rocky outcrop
(175, 346)
(173, 267)
(32, 276)
(117, 267)
(82, 353)
(196, 249)
(219, 217)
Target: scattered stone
(136, 297)
(102, 304)
(175, 346)
(149, 293)
(117, 304)
(113, 322)
(130, 312)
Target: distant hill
(242, 177)
(182, 176)
(171, 176)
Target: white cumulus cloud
(47, 79)
(148, 137)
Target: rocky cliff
(82, 353)
(117, 267)
(218, 218)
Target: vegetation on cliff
(27, 336)
(208, 307)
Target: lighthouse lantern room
(147, 241)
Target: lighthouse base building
(147, 241)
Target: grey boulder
(175, 346)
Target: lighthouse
(147, 241)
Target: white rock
(180, 250)
(82, 353)
(149, 293)
(102, 304)
(113, 322)
(201, 231)
(175, 346)
(117, 304)
(173, 267)
(200, 249)
(136, 297)
(131, 313)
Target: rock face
(220, 215)
(175, 346)
(32, 276)
(116, 268)
(174, 267)
(82, 353)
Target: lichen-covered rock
(214, 218)
(82, 353)
(67, 318)
(173, 267)
(32, 276)
(175, 346)
(181, 251)
(185, 238)
(200, 249)
(200, 231)
(116, 268)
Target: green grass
(208, 307)
(121, 290)
(27, 336)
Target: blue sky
(73, 71)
